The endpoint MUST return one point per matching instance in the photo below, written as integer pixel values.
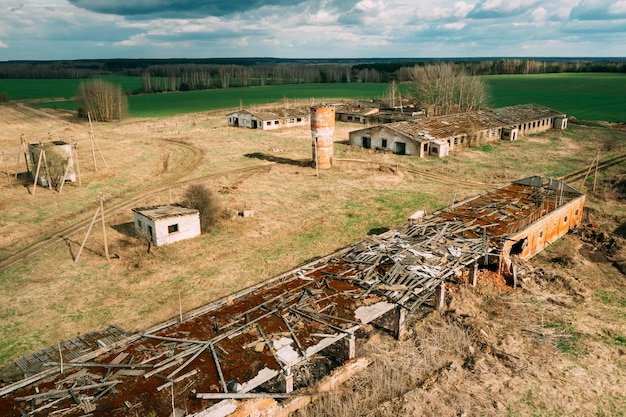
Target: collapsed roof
(237, 344)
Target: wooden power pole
(94, 146)
(7, 169)
(99, 210)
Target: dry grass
(396, 369)
(297, 217)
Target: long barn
(438, 135)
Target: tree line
(442, 87)
(192, 74)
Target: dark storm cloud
(176, 8)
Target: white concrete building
(167, 224)
(269, 120)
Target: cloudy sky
(76, 29)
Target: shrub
(201, 198)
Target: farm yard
(485, 353)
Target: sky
(98, 29)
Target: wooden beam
(219, 369)
(247, 395)
(65, 392)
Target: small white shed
(168, 224)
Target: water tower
(322, 129)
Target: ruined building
(253, 343)
(436, 136)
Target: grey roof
(459, 124)
(523, 113)
(162, 212)
(276, 114)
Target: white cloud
(539, 15)
(452, 26)
(618, 8)
(321, 18)
(369, 6)
(37, 29)
(136, 40)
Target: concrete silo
(322, 129)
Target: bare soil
(553, 347)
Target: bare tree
(447, 88)
(392, 94)
(104, 101)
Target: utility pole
(595, 175)
(94, 146)
(80, 250)
(91, 140)
(104, 228)
(38, 168)
(99, 210)
(75, 155)
(7, 169)
(23, 148)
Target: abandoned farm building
(54, 165)
(269, 120)
(436, 136)
(364, 114)
(167, 224)
(226, 351)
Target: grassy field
(193, 101)
(586, 96)
(23, 89)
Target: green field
(172, 103)
(586, 96)
(168, 104)
(25, 89)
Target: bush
(199, 197)
(4, 97)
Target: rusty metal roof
(509, 209)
